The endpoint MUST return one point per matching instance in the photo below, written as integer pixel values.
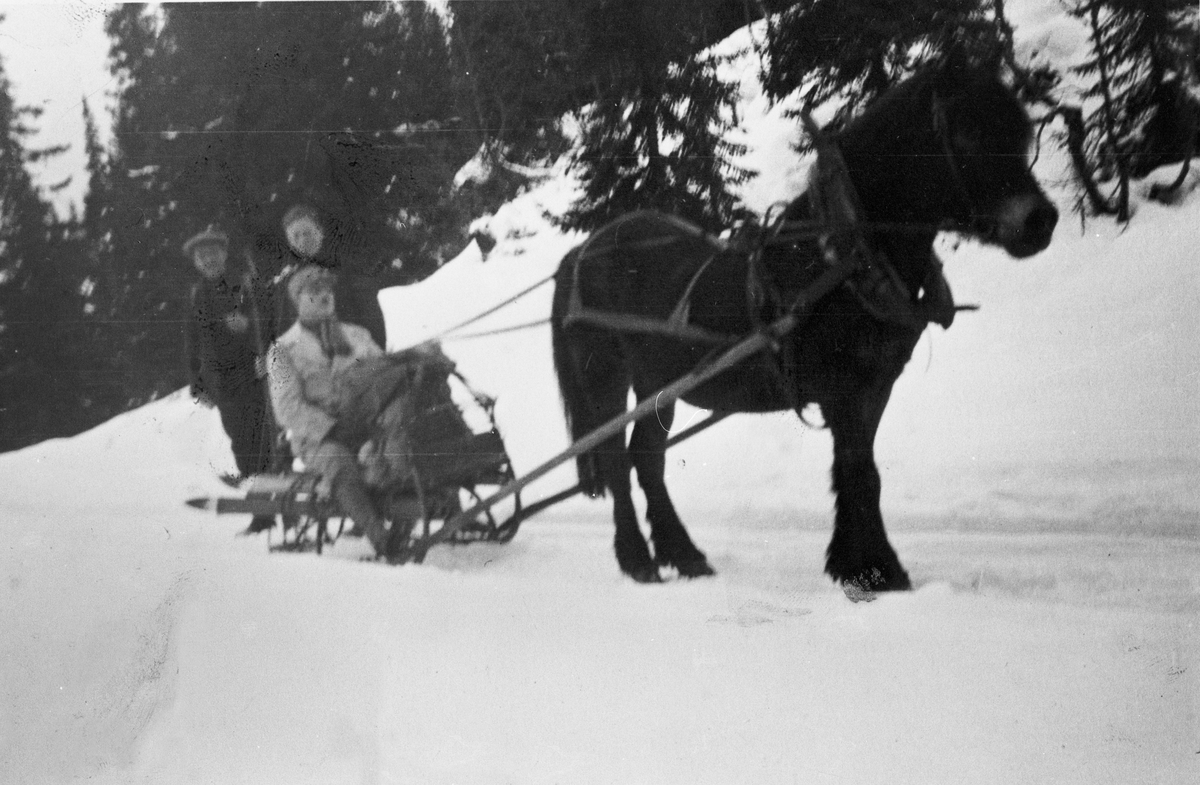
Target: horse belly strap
(676, 325)
(631, 323)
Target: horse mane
(943, 82)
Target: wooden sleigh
(445, 464)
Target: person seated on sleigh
(339, 398)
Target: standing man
(222, 350)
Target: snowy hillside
(144, 643)
(1040, 463)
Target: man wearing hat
(221, 353)
(320, 370)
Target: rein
(448, 333)
(674, 326)
(985, 225)
(841, 232)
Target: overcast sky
(54, 56)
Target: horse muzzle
(1025, 225)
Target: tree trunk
(1108, 114)
(1073, 119)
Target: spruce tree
(661, 145)
(849, 51)
(1141, 65)
(519, 75)
(107, 362)
(230, 113)
(652, 111)
(1110, 127)
(527, 63)
(1156, 42)
(40, 302)
(655, 135)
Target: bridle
(784, 232)
(982, 225)
(841, 230)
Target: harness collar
(841, 233)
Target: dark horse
(947, 148)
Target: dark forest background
(229, 113)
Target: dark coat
(221, 369)
(220, 359)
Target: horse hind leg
(633, 554)
(595, 386)
(673, 547)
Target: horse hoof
(698, 568)
(645, 574)
(856, 593)
(866, 583)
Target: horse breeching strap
(676, 325)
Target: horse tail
(571, 387)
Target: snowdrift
(144, 643)
(1039, 463)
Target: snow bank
(1052, 636)
(143, 643)
(1039, 465)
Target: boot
(259, 523)
(352, 497)
(403, 524)
(380, 536)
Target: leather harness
(836, 228)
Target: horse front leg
(859, 555)
(673, 547)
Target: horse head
(949, 148)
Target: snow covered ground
(143, 643)
(1040, 464)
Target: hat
(308, 276)
(298, 211)
(211, 235)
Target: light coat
(309, 388)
